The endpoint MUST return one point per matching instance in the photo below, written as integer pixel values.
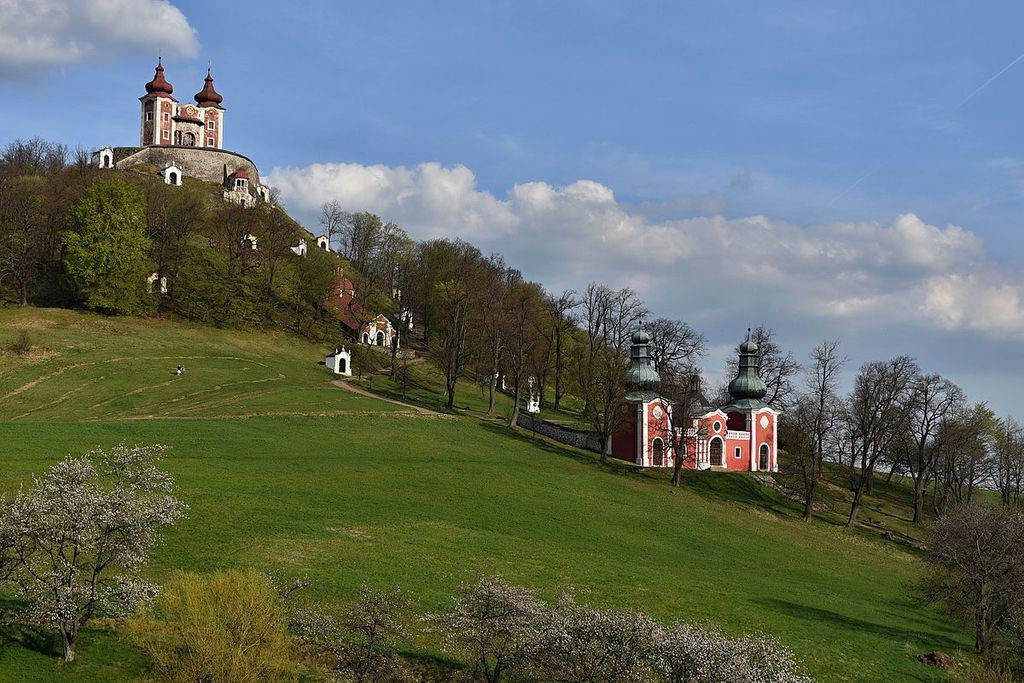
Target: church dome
(748, 384)
(641, 373)
(641, 337)
(159, 85)
(208, 97)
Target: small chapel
(738, 436)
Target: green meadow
(286, 473)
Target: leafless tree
(674, 345)
(976, 561)
(332, 220)
(682, 389)
(562, 320)
(1009, 462)
(878, 410)
(524, 309)
(451, 349)
(933, 400)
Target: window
(717, 426)
(239, 183)
(211, 125)
(149, 116)
(210, 142)
(738, 453)
(763, 457)
(167, 117)
(167, 135)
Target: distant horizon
(828, 172)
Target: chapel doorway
(658, 452)
(716, 452)
(762, 463)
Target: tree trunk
(855, 505)
(68, 640)
(24, 293)
(514, 415)
(558, 371)
(606, 451)
(918, 498)
(809, 491)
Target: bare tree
(932, 401)
(878, 409)
(562, 320)
(451, 350)
(683, 391)
(332, 220)
(82, 537)
(524, 309)
(976, 561)
(1009, 461)
(674, 345)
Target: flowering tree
(495, 625)
(77, 541)
(688, 654)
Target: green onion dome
(747, 383)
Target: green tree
(106, 247)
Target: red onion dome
(208, 97)
(159, 85)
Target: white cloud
(37, 35)
(872, 275)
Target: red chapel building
(738, 436)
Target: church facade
(167, 122)
(738, 436)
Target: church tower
(644, 436)
(209, 101)
(158, 108)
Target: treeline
(123, 242)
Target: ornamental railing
(735, 434)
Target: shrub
(373, 628)
(22, 343)
(226, 626)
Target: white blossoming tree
(78, 540)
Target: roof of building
(641, 374)
(208, 96)
(159, 87)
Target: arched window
(188, 140)
(380, 339)
(173, 178)
(658, 452)
(716, 452)
(342, 366)
(763, 460)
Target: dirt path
(347, 384)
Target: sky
(844, 170)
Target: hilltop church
(187, 140)
(738, 436)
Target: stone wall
(580, 438)
(196, 162)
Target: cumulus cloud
(37, 35)
(871, 274)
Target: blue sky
(829, 169)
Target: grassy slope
(372, 493)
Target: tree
(976, 561)
(374, 627)
(1009, 461)
(562, 321)
(173, 215)
(106, 248)
(332, 220)
(450, 351)
(524, 311)
(809, 425)
(932, 401)
(674, 345)
(964, 461)
(494, 625)
(683, 390)
(22, 226)
(82, 537)
(878, 410)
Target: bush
(22, 343)
(373, 628)
(228, 626)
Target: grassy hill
(286, 473)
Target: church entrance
(380, 339)
(658, 453)
(716, 452)
(762, 463)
